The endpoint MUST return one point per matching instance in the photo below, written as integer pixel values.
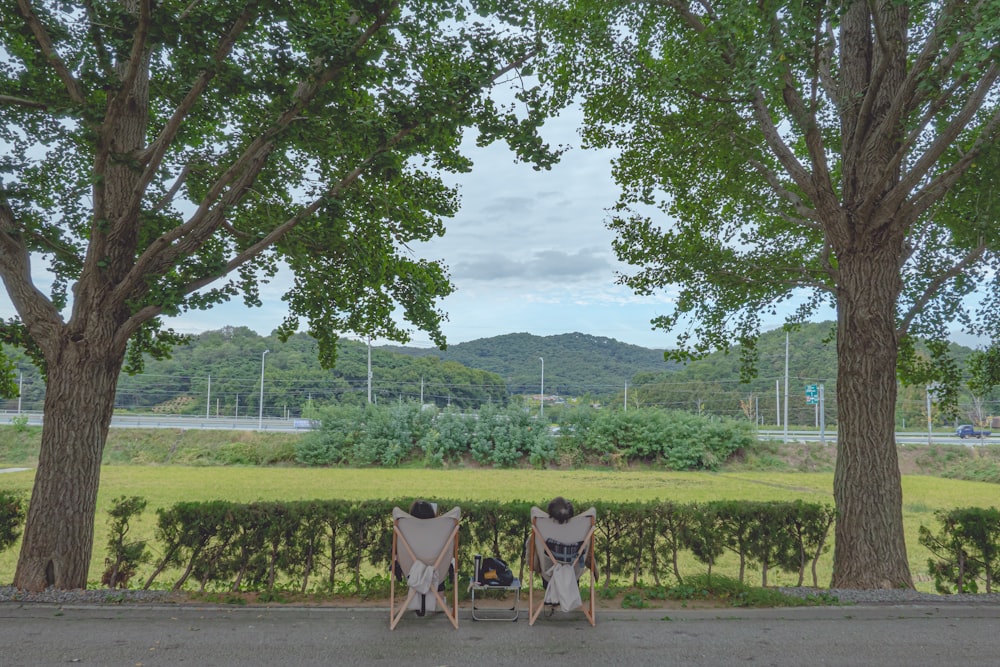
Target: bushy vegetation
(673, 439)
(509, 436)
(12, 514)
(125, 554)
(331, 545)
(965, 551)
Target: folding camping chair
(561, 552)
(423, 550)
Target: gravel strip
(845, 596)
(892, 596)
(80, 596)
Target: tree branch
(135, 66)
(823, 60)
(932, 288)
(95, 34)
(10, 100)
(806, 280)
(944, 139)
(172, 192)
(243, 170)
(942, 183)
(808, 215)
(48, 50)
(164, 259)
(158, 148)
(910, 89)
(34, 308)
(805, 118)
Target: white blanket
(563, 587)
(422, 579)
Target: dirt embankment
(981, 462)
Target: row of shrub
(505, 437)
(11, 518)
(334, 545)
(330, 545)
(965, 552)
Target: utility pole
(541, 402)
(786, 386)
(260, 420)
(822, 415)
(777, 401)
(930, 424)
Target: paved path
(153, 636)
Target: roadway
(152, 636)
(253, 423)
(123, 420)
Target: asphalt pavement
(152, 636)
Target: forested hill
(219, 372)
(575, 363)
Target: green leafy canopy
(167, 156)
(762, 143)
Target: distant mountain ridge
(574, 363)
(220, 372)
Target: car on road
(970, 431)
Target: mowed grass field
(163, 486)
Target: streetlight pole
(260, 420)
(541, 402)
(786, 388)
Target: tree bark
(84, 355)
(870, 549)
(59, 533)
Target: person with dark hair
(559, 543)
(560, 509)
(421, 509)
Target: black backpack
(495, 572)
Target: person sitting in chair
(560, 509)
(423, 509)
(566, 559)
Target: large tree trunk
(870, 549)
(85, 355)
(59, 533)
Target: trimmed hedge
(12, 517)
(966, 551)
(328, 545)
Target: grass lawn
(163, 486)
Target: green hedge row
(12, 516)
(330, 545)
(965, 551)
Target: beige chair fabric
(424, 550)
(561, 569)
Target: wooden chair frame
(586, 551)
(448, 548)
